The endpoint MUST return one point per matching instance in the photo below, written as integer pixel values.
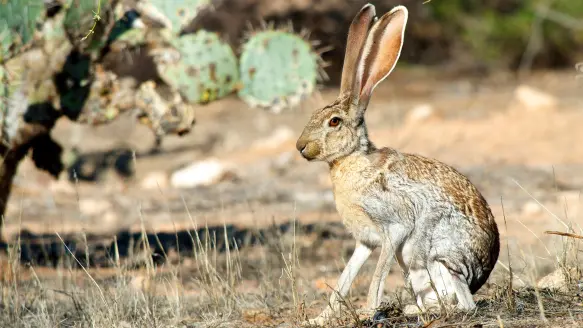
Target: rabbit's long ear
(355, 43)
(381, 52)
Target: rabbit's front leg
(390, 243)
(375, 292)
(359, 256)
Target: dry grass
(256, 286)
(214, 283)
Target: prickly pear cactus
(5, 93)
(13, 102)
(163, 109)
(55, 42)
(129, 39)
(24, 80)
(128, 23)
(109, 96)
(88, 23)
(203, 69)
(53, 30)
(18, 19)
(278, 69)
(173, 14)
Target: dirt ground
(528, 163)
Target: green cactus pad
(206, 69)
(87, 23)
(177, 13)
(278, 69)
(5, 42)
(4, 91)
(79, 17)
(18, 19)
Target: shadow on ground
(102, 251)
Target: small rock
(561, 279)
(203, 173)
(533, 99)
(92, 207)
(421, 113)
(155, 180)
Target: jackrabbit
(422, 212)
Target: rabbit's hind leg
(431, 285)
(462, 291)
(456, 286)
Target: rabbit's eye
(334, 121)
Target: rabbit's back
(425, 183)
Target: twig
(560, 18)
(564, 234)
(96, 19)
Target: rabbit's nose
(301, 145)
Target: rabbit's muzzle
(309, 149)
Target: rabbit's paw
(320, 320)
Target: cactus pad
(125, 25)
(278, 69)
(87, 23)
(204, 69)
(55, 39)
(129, 39)
(18, 19)
(13, 99)
(107, 98)
(173, 13)
(163, 109)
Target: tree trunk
(13, 155)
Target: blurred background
(477, 36)
(225, 87)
